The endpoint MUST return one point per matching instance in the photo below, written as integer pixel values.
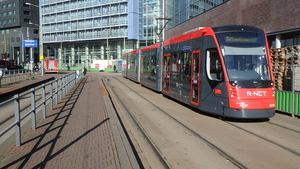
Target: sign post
(30, 44)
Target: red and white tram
(221, 70)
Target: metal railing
(56, 90)
(14, 76)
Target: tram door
(166, 73)
(195, 78)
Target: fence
(57, 89)
(287, 83)
(14, 75)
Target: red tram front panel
(245, 60)
(241, 98)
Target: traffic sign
(30, 43)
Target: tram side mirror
(1, 74)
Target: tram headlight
(273, 91)
(233, 93)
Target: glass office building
(79, 31)
(183, 10)
(149, 25)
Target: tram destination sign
(232, 39)
(30, 43)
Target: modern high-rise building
(18, 21)
(149, 25)
(79, 31)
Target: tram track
(287, 131)
(145, 163)
(161, 157)
(292, 150)
(247, 132)
(285, 127)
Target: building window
(35, 31)
(26, 12)
(26, 20)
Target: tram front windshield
(244, 55)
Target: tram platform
(82, 131)
(16, 86)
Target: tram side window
(152, 64)
(213, 65)
(175, 66)
(132, 63)
(185, 66)
(166, 65)
(144, 66)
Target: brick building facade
(280, 19)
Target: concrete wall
(271, 15)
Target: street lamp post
(21, 60)
(165, 24)
(41, 49)
(107, 46)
